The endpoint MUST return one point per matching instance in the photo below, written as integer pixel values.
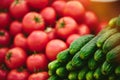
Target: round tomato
(37, 62)
(4, 4)
(3, 74)
(33, 21)
(15, 57)
(54, 47)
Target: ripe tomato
(33, 21)
(37, 62)
(3, 74)
(65, 27)
(4, 20)
(3, 51)
(54, 47)
(39, 76)
(37, 4)
(20, 41)
(4, 38)
(15, 28)
(74, 9)
(83, 29)
(4, 4)
(37, 41)
(15, 57)
(49, 15)
(16, 74)
(58, 5)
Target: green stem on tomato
(8, 56)
(36, 19)
(2, 33)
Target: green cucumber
(117, 70)
(79, 43)
(114, 55)
(111, 42)
(92, 64)
(98, 74)
(73, 75)
(69, 66)
(89, 75)
(112, 77)
(54, 77)
(82, 73)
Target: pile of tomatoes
(33, 32)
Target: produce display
(90, 57)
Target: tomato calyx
(16, 1)
(62, 24)
(3, 67)
(37, 70)
(37, 20)
(9, 55)
(2, 33)
(20, 69)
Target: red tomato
(58, 5)
(37, 62)
(15, 28)
(71, 38)
(4, 38)
(74, 9)
(33, 21)
(3, 51)
(39, 76)
(37, 41)
(3, 74)
(4, 20)
(38, 4)
(49, 15)
(15, 57)
(91, 20)
(4, 4)
(54, 47)
(83, 29)
(18, 8)
(21, 41)
(65, 26)
(15, 74)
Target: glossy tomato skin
(54, 47)
(18, 8)
(74, 9)
(37, 62)
(15, 74)
(37, 41)
(3, 51)
(15, 28)
(4, 38)
(3, 74)
(15, 57)
(49, 15)
(20, 41)
(4, 4)
(39, 76)
(65, 27)
(37, 4)
(33, 21)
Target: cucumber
(99, 56)
(80, 42)
(62, 72)
(111, 42)
(106, 35)
(51, 72)
(73, 75)
(112, 22)
(114, 55)
(54, 77)
(92, 64)
(69, 66)
(112, 77)
(82, 73)
(98, 74)
(89, 75)
(64, 56)
(107, 68)
(117, 70)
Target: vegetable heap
(90, 57)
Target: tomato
(4, 38)
(18, 8)
(3, 74)
(3, 51)
(65, 26)
(39, 76)
(4, 4)
(58, 5)
(91, 20)
(71, 38)
(33, 21)
(83, 29)
(37, 62)
(37, 41)
(15, 28)
(15, 57)
(37, 4)
(54, 47)
(20, 41)
(16, 74)
(74, 9)
(4, 20)
(49, 15)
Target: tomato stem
(20, 69)
(36, 19)
(16, 1)
(2, 33)
(8, 56)
(62, 24)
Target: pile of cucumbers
(90, 57)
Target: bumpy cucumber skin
(82, 73)
(92, 64)
(69, 66)
(73, 75)
(78, 43)
(89, 75)
(98, 74)
(54, 77)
